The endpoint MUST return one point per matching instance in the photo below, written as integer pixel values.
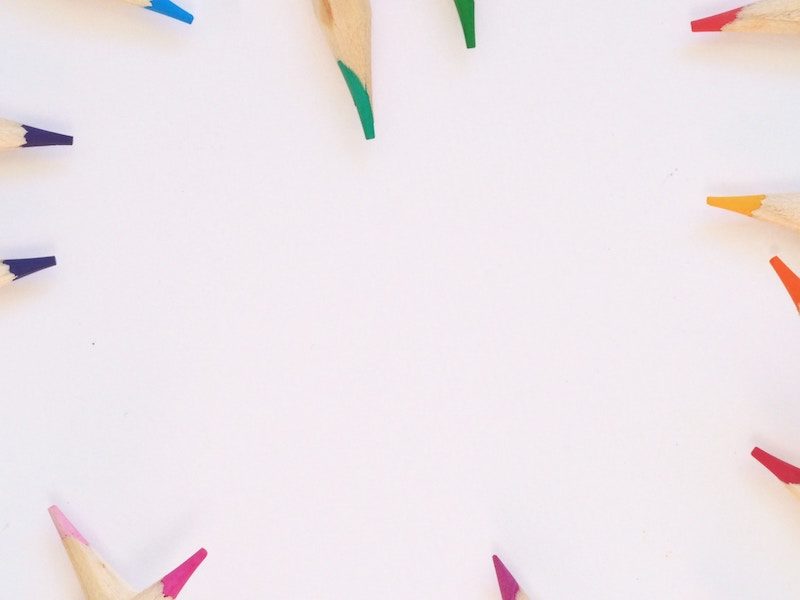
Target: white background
(357, 369)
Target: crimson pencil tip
(173, 582)
(789, 280)
(64, 527)
(715, 22)
(782, 470)
(509, 588)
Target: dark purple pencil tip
(20, 267)
(40, 137)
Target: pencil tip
(64, 527)
(466, 13)
(789, 280)
(360, 94)
(716, 22)
(170, 9)
(173, 582)
(22, 267)
(745, 205)
(782, 470)
(40, 137)
(508, 585)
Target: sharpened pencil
(165, 7)
(788, 474)
(782, 209)
(466, 13)
(98, 580)
(348, 26)
(509, 588)
(768, 16)
(790, 281)
(15, 135)
(17, 268)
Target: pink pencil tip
(174, 582)
(782, 470)
(716, 22)
(64, 527)
(508, 585)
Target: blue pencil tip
(169, 8)
(21, 267)
(40, 137)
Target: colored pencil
(14, 135)
(98, 580)
(788, 474)
(348, 26)
(790, 281)
(783, 209)
(466, 12)
(17, 268)
(769, 16)
(509, 588)
(165, 7)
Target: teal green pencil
(348, 25)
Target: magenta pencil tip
(173, 582)
(508, 585)
(64, 527)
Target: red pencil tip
(790, 281)
(64, 527)
(508, 585)
(782, 470)
(174, 582)
(715, 22)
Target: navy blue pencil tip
(21, 267)
(170, 9)
(40, 137)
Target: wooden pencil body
(12, 135)
(98, 580)
(773, 16)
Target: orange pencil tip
(745, 205)
(790, 281)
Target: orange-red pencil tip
(790, 281)
(782, 470)
(716, 22)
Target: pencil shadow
(33, 164)
(779, 54)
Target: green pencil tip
(466, 12)
(361, 98)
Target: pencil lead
(361, 99)
(173, 582)
(64, 527)
(466, 12)
(790, 281)
(716, 22)
(170, 9)
(745, 205)
(787, 473)
(22, 267)
(509, 588)
(39, 137)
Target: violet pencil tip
(22, 267)
(35, 137)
